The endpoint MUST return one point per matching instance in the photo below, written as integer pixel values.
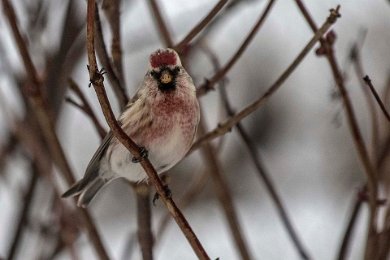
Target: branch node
(334, 14)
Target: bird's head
(165, 66)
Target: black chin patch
(166, 86)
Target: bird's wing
(93, 166)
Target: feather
(90, 192)
(92, 171)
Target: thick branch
(97, 81)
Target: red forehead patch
(162, 58)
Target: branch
(43, 117)
(86, 107)
(27, 202)
(117, 86)
(351, 224)
(144, 219)
(162, 26)
(369, 169)
(232, 121)
(111, 9)
(377, 98)
(199, 27)
(97, 81)
(209, 84)
(358, 66)
(267, 181)
(223, 194)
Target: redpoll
(162, 118)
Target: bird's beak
(166, 77)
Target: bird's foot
(167, 192)
(143, 154)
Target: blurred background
(301, 133)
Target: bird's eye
(153, 74)
(177, 70)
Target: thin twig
(43, 117)
(111, 9)
(86, 107)
(97, 80)
(223, 194)
(228, 124)
(358, 66)
(342, 254)
(160, 22)
(369, 169)
(377, 98)
(117, 85)
(199, 27)
(209, 84)
(27, 202)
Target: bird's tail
(86, 189)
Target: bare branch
(228, 124)
(111, 9)
(27, 202)
(117, 85)
(144, 218)
(160, 22)
(209, 84)
(199, 27)
(377, 98)
(369, 169)
(97, 81)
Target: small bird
(162, 118)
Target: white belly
(165, 152)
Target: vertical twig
(117, 85)
(144, 221)
(160, 22)
(111, 9)
(27, 202)
(342, 254)
(97, 81)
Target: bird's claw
(143, 154)
(167, 192)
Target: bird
(161, 118)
